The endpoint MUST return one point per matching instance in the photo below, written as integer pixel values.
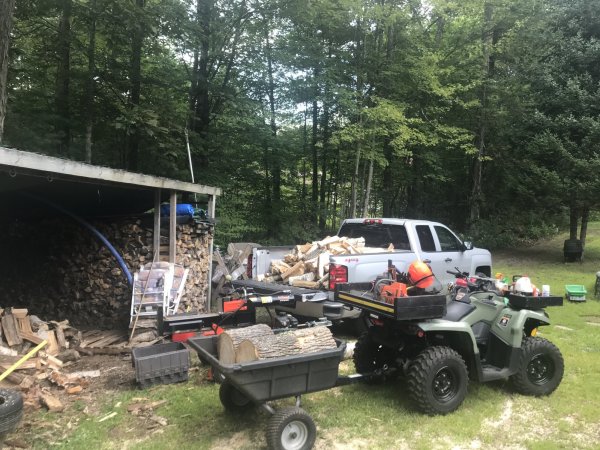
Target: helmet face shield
(420, 275)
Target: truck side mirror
(467, 245)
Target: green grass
(381, 417)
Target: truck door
(442, 250)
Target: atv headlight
(534, 332)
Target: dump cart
(259, 382)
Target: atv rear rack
(417, 307)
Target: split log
(230, 339)
(296, 269)
(307, 340)
(9, 330)
(306, 284)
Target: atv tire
(291, 429)
(541, 367)
(438, 380)
(370, 356)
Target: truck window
(377, 235)
(425, 238)
(448, 241)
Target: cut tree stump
(230, 339)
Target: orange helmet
(420, 274)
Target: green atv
(439, 345)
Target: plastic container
(161, 364)
(575, 292)
(531, 302)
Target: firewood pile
(42, 370)
(259, 342)
(59, 269)
(308, 265)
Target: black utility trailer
(259, 382)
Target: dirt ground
(116, 374)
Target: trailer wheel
(11, 410)
(438, 380)
(291, 429)
(370, 356)
(541, 367)
(232, 399)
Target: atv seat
(455, 311)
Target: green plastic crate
(575, 292)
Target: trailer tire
(291, 429)
(11, 410)
(541, 367)
(438, 380)
(232, 399)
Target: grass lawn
(381, 417)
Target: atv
(438, 344)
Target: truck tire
(438, 380)
(370, 356)
(291, 429)
(541, 367)
(11, 410)
(233, 400)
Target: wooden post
(212, 199)
(156, 221)
(173, 227)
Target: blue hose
(93, 229)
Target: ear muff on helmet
(420, 275)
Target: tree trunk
(324, 167)
(487, 41)
(573, 219)
(315, 153)
(63, 76)
(585, 216)
(89, 95)
(201, 121)
(274, 225)
(6, 22)
(135, 79)
(368, 189)
(388, 179)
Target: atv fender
(510, 324)
(442, 327)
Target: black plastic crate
(529, 302)
(161, 364)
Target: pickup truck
(401, 240)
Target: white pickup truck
(428, 241)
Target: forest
(481, 114)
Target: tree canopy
(482, 115)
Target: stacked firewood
(59, 269)
(308, 265)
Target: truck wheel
(438, 380)
(232, 399)
(291, 429)
(369, 356)
(541, 367)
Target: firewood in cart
(229, 340)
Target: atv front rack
(417, 307)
